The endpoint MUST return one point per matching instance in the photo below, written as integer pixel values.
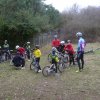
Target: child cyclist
(37, 54)
(54, 58)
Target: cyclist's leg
(28, 54)
(70, 59)
(0, 58)
(73, 59)
(78, 61)
(82, 59)
(6, 55)
(23, 63)
(38, 61)
(9, 54)
(56, 67)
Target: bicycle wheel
(66, 58)
(45, 71)
(34, 67)
(61, 67)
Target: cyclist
(55, 42)
(70, 50)
(80, 51)
(61, 47)
(6, 50)
(54, 57)
(28, 50)
(0, 54)
(37, 54)
(18, 60)
(21, 50)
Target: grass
(26, 85)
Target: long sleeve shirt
(81, 44)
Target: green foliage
(26, 17)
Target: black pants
(28, 54)
(80, 57)
(54, 62)
(7, 55)
(38, 62)
(0, 58)
(71, 59)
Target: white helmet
(54, 49)
(28, 42)
(78, 34)
(62, 42)
(17, 46)
(68, 41)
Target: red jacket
(55, 42)
(69, 48)
(21, 50)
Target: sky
(62, 5)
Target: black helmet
(37, 46)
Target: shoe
(77, 71)
(29, 60)
(40, 71)
(23, 68)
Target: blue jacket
(18, 60)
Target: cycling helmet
(17, 46)
(54, 49)
(5, 41)
(37, 46)
(28, 42)
(62, 42)
(55, 36)
(68, 41)
(78, 34)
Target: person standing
(56, 42)
(80, 51)
(28, 50)
(37, 54)
(6, 50)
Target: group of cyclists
(61, 46)
(57, 46)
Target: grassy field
(27, 85)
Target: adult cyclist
(56, 42)
(6, 50)
(80, 51)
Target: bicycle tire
(66, 59)
(45, 71)
(34, 68)
(61, 67)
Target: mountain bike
(51, 69)
(34, 65)
(64, 57)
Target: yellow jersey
(37, 53)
